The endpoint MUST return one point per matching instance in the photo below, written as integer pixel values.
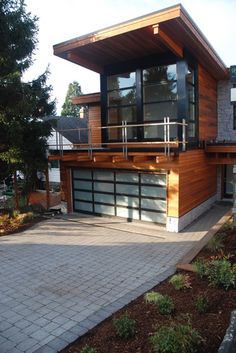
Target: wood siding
(207, 86)
(95, 122)
(197, 180)
(191, 179)
(65, 174)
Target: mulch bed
(211, 325)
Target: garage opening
(128, 194)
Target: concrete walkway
(62, 277)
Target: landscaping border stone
(228, 344)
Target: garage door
(134, 195)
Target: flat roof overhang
(168, 30)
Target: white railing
(163, 137)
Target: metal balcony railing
(90, 138)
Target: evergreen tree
(68, 108)
(23, 135)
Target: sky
(61, 20)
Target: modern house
(159, 135)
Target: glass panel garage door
(133, 195)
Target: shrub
(29, 216)
(124, 326)
(180, 281)
(165, 305)
(202, 304)
(15, 213)
(88, 349)
(200, 267)
(176, 338)
(152, 297)
(221, 273)
(216, 243)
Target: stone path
(62, 277)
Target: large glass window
(191, 87)
(149, 95)
(159, 99)
(234, 116)
(121, 104)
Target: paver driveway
(62, 277)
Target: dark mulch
(211, 325)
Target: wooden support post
(16, 190)
(47, 188)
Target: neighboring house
(158, 73)
(64, 135)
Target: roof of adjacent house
(68, 127)
(167, 30)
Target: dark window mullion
(139, 100)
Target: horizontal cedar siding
(66, 186)
(197, 180)
(207, 105)
(94, 122)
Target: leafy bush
(15, 213)
(152, 297)
(88, 349)
(29, 216)
(200, 267)
(176, 338)
(165, 305)
(221, 273)
(216, 243)
(180, 281)
(202, 304)
(124, 326)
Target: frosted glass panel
(106, 187)
(105, 198)
(158, 205)
(153, 179)
(83, 174)
(127, 189)
(123, 200)
(153, 191)
(127, 177)
(103, 175)
(127, 213)
(110, 210)
(83, 195)
(153, 217)
(79, 184)
(83, 206)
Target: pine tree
(68, 108)
(23, 135)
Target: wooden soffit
(168, 30)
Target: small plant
(200, 267)
(152, 297)
(29, 216)
(15, 213)
(125, 326)
(88, 349)
(180, 281)
(176, 338)
(216, 243)
(221, 273)
(202, 304)
(165, 305)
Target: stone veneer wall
(225, 112)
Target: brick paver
(62, 277)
